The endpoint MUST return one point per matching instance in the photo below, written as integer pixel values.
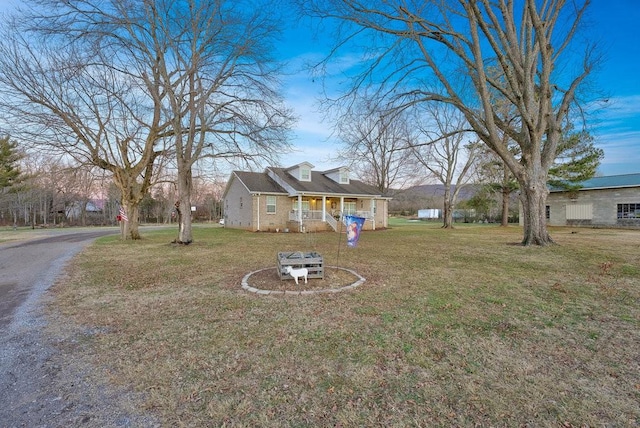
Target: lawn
(458, 327)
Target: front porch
(313, 221)
(320, 213)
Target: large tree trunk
(185, 235)
(506, 194)
(505, 206)
(134, 221)
(447, 214)
(533, 195)
(132, 194)
(130, 228)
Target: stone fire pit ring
(251, 289)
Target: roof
(258, 182)
(261, 182)
(608, 182)
(320, 183)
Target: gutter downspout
(258, 212)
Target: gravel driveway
(46, 380)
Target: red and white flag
(123, 215)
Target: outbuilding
(612, 201)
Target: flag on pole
(354, 226)
(123, 215)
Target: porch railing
(317, 216)
(306, 215)
(332, 222)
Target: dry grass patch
(451, 328)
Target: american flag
(123, 215)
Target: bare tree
(526, 51)
(69, 88)
(117, 83)
(446, 153)
(208, 196)
(220, 82)
(375, 144)
(82, 184)
(495, 175)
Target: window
(271, 204)
(629, 211)
(344, 176)
(294, 205)
(349, 208)
(240, 201)
(305, 174)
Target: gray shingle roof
(259, 182)
(320, 184)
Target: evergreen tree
(10, 173)
(577, 160)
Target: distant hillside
(437, 190)
(426, 196)
(430, 196)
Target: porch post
(324, 208)
(341, 207)
(299, 213)
(372, 212)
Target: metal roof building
(610, 201)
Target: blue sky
(616, 129)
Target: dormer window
(344, 176)
(305, 174)
(339, 175)
(301, 172)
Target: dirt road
(43, 382)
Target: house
(300, 199)
(612, 201)
(75, 209)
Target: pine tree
(10, 173)
(578, 160)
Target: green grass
(455, 327)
